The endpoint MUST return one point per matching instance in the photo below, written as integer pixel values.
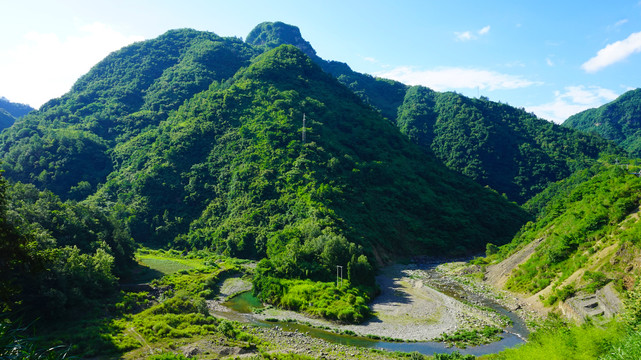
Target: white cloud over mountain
(614, 53)
(453, 78)
(572, 100)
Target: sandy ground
(407, 309)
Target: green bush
(345, 304)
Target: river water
(513, 335)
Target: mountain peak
(274, 34)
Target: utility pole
(303, 128)
(339, 267)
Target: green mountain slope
(196, 142)
(229, 171)
(58, 258)
(6, 119)
(16, 110)
(65, 146)
(586, 237)
(619, 121)
(383, 94)
(495, 144)
(10, 111)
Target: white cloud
(614, 53)
(452, 78)
(464, 36)
(484, 30)
(45, 65)
(468, 35)
(549, 61)
(620, 22)
(572, 100)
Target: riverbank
(410, 307)
(474, 282)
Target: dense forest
(211, 149)
(192, 141)
(6, 119)
(495, 144)
(507, 149)
(619, 121)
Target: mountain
(495, 144)
(6, 119)
(383, 94)
(65, 146)
(16, 110)
(619, 121)
(10, 111)
(241, 178)
(196, 142)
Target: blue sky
(553, 58)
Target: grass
(628, 348)
(169, 264)
(464, 338)
(556, 340)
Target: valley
(418, 303)
(198, 197)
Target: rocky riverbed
(411, 307)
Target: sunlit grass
(168, 263)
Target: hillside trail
(141, 339)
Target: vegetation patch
(475, 337)
(171, 261)
(320, 299)
(585, 214)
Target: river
(513, 335)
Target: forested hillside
(230, 171)
(16, 110)
(65, 146)
(192, 141)
(588, 233)
(382, 94)
(619, 121)
(495, 144)
(135, 88)
(57, 258)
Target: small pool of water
(244, 303)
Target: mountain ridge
(618, 120)
(465, 133)
(10, 111)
